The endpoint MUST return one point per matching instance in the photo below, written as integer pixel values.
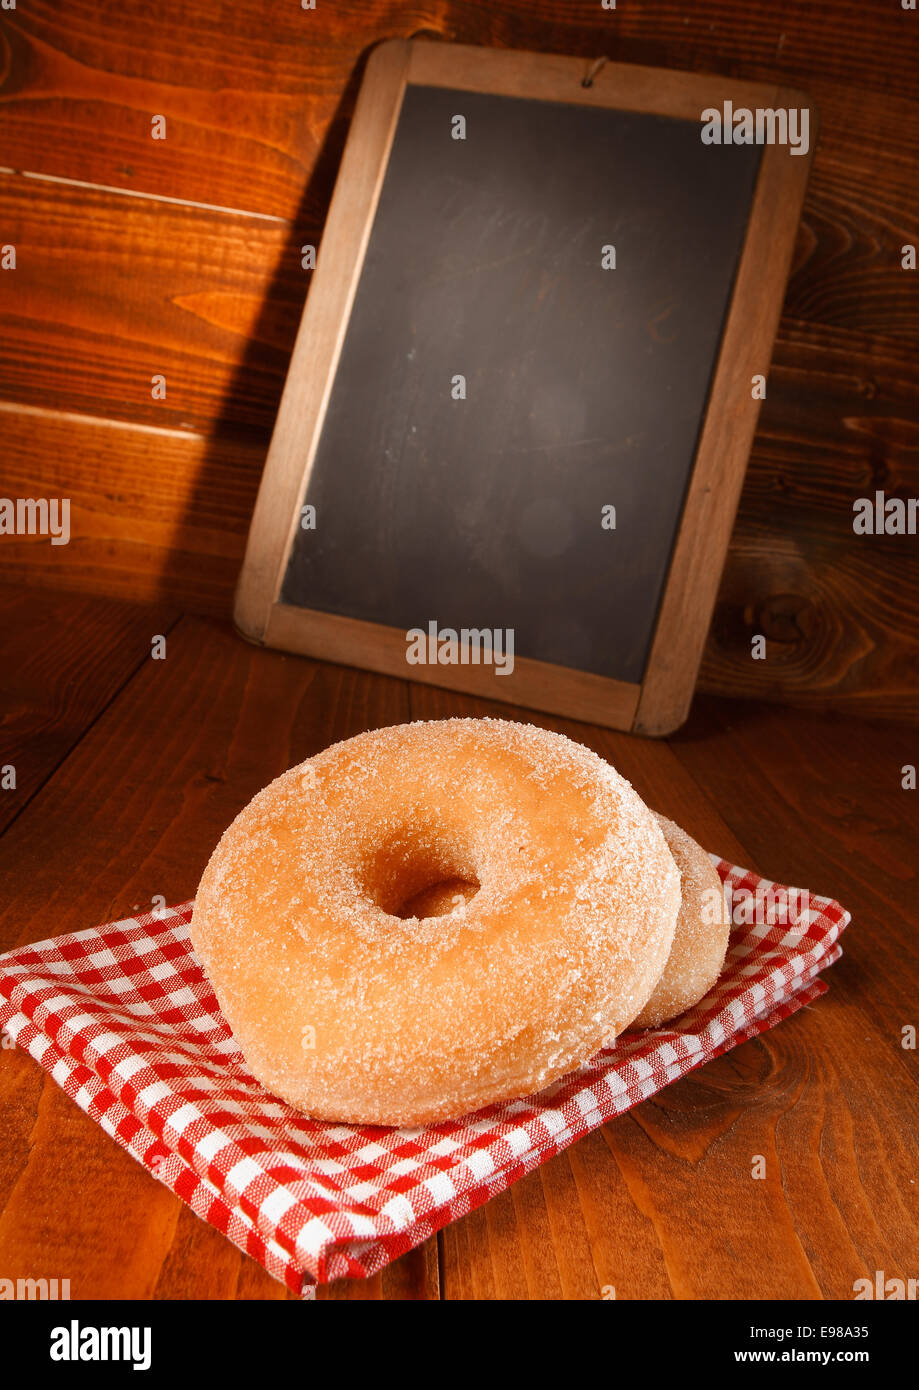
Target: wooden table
(129, 768)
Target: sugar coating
(350, 1005)
(700, 941)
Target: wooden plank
(661, 1203)
(788, 43)
(65, 657)
(840, 625)
(851, 827)
(177, 529)
(95, 306)
(829, 811)
(250, 97)
(110, 291)
(268, 91)
(859, 213)
(840, 612)
(135, 811)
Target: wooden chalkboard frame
(661, 702)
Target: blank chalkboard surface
(531, 330)
(585, 386)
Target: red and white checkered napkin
(124, 1020)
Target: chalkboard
(515, 412)
(586, 386)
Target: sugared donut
(701, 938)
(352, 1011)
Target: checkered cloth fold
(123, 1018)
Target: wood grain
(177, 530)
(110, 291)
(112, 285)
(251, 88)
(242, 94)
(95, 306)
(863, 823)
(860, 211)
(840, 612)
(65, 658)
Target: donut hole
(440, 898)
(419, 876)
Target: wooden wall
(137, 257)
